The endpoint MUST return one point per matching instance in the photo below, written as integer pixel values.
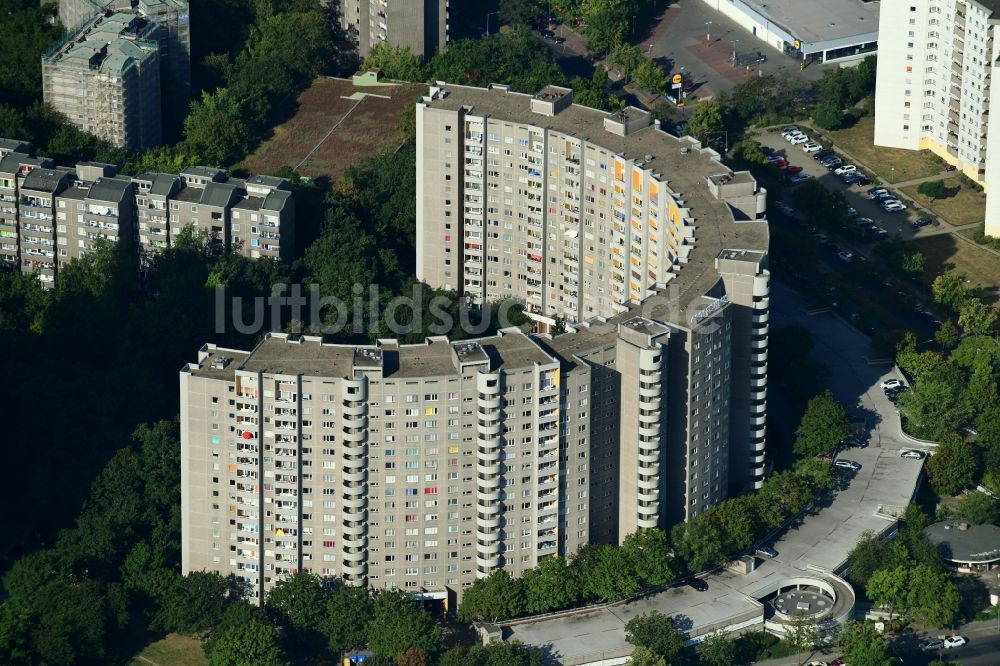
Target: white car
(846, 464)
(790, 129)
(875, 194)
(913, 454)
(841, 170)
(891, 384)
(844, 255)
(955, 641)
(788, 135)
(796, 140)
(894, 206)
(812, 147)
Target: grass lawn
(174, 650)
(858, 141)
(944, 252)
(965, 206)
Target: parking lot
(895, 224)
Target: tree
(803, 633)
(656, 632)
(298, 604)
(933, 600)
(253, 643)
(871, 553)
(933, 408)
(828, 117)
(889, 588)
(592, 92)
(552, 585)
(347, 611)
(627, 59)
(977, 318)
(605, 573)
(864, 645)
(398, 623)
(706, 123)
(953, 467)
(649, 556)
(933, 189)
(749, 152)
(700, 542)
(979, 509)
(496, 597)
(412, 657)
(395, 62)
(645, 657)
(718, 649)
(519, 12)
(650, 76)
(507, 653)
(950, 290)
(216, 128)
(946, 335)
(607, 23)
(823, 426)
(913, 263)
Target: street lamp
(892, 175)
(735, 42)
(708, 31)
(488, 21)
(633, 26)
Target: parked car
(766, 551)
(844, 255)
(833, 164)
(796, 140)
(931, 646)
(876, 192)
(846, 464)
(862, 180)
(892, 384)
(698, 584)
(950, 167)
(547, 34)
(774, 158)
(823, 154)
(780, 163)
(852, 211)
(812, 147)
(855, 440)
(844, 169)
(790, 129)
(922, 222)
(789, 135)
(955, 641)
(792, 170)
(894, 206)
(912, 454)
(863, 221)
(799, 178)
(850, 177)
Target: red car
(792, 170)
(839, 661)
(780, 164)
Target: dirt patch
(962, 205)
(331, 131)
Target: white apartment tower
(935, 80)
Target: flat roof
(973, 544)
(820, 20)
(678, 161)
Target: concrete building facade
(427, 466)
(50, 215)
(422, 25)
(105, 78)
(169, 26)
(935, 82)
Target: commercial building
(420, 24)
(50, 215)
(934, 85)
(108, 91)
(827, 30)
(426, 466)
(964, 546)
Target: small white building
(831, 30)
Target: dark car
(823, 154)
(546, 33)
(862, 181)
(698, 584)
(922, 222)
(766, 551)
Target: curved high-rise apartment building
(426, 466)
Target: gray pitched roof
(219, 195)
(46, 180)
(110, 189)
(276, 200)
(13, 162)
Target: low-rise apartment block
(934, 86)
(50, 215)
(420, 24)
(426, 466)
